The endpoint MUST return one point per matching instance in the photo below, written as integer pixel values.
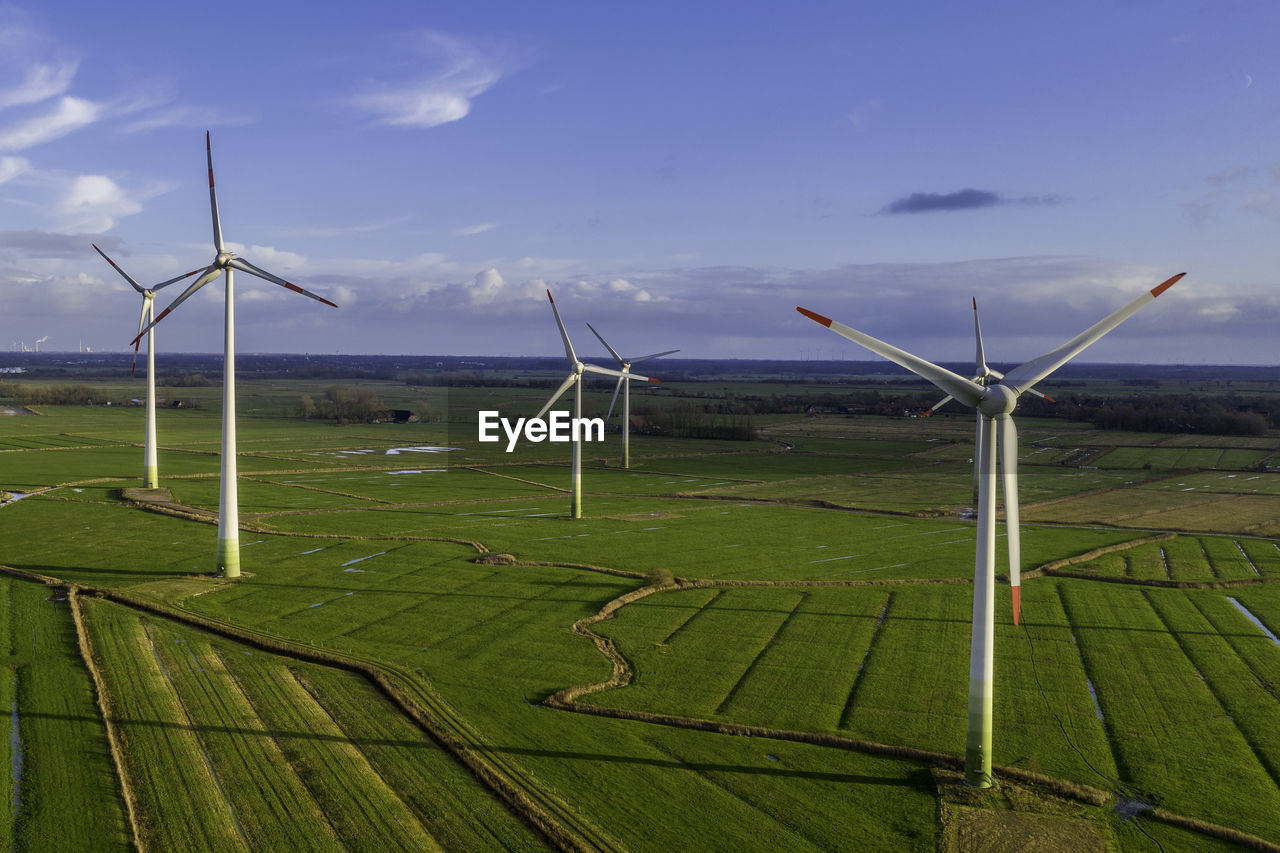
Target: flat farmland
(458, 577)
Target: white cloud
(12, 167)
(185, 116)
(92, 203)
(472, 230)
(486, 286)
(269, 258)
(32, 69)
(39, 83)
(70, 114)
(443, 95)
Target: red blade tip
(659, 381)
(1168, 283)
(1050, 399)
(817, 318)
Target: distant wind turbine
(994, 402)
(225, 261)
(150, 469)
(625, 386)
(577, 369)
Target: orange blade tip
(1168, 283)
(815, 317)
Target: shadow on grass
(126, 722)
(916, 778)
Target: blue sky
(681, 175)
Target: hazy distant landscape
(425, 652)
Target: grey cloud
(43, 244)
(965, 199)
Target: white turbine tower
(150, 469)
(625, 386)
(994, 402)
(225, 261)
(577, 368)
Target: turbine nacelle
(998, 400)
(223, 259)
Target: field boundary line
(566, 699)
(1053, 566)
(256, 479)
(694, 615)
(197, 732)
(1123, 772)
(517, 479)
(553, 820)
(847, 711)
(760, 654)
(1258, 756)
(1157, 582)
(104, 707)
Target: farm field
(426, 653)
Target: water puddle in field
(1129, 807)
(1255, 620)
(419, 471)
(312, 551)
(836, 559)
(864, 571)
(362, 559)
(15, 750)
(1247, 559)
(396, 451)
(1093, 694)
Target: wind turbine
(982, 374)
(994, 402)
(577, 369)
(150, 469)
(225, 261)
(625, 386)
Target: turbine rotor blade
(613, 352)
(176, 278)
(568, 347)
(937, 405)
(213, 196)
(116, 267)
(1009, 485)
(1025, 375)
(564, 386)
(980, 360)
(142, 318)
(965, 390)
(654, 355)
(244, 266)
(210, 273)
(616, 389)
(605, 371)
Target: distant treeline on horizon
(338, 366)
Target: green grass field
(827, 596)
